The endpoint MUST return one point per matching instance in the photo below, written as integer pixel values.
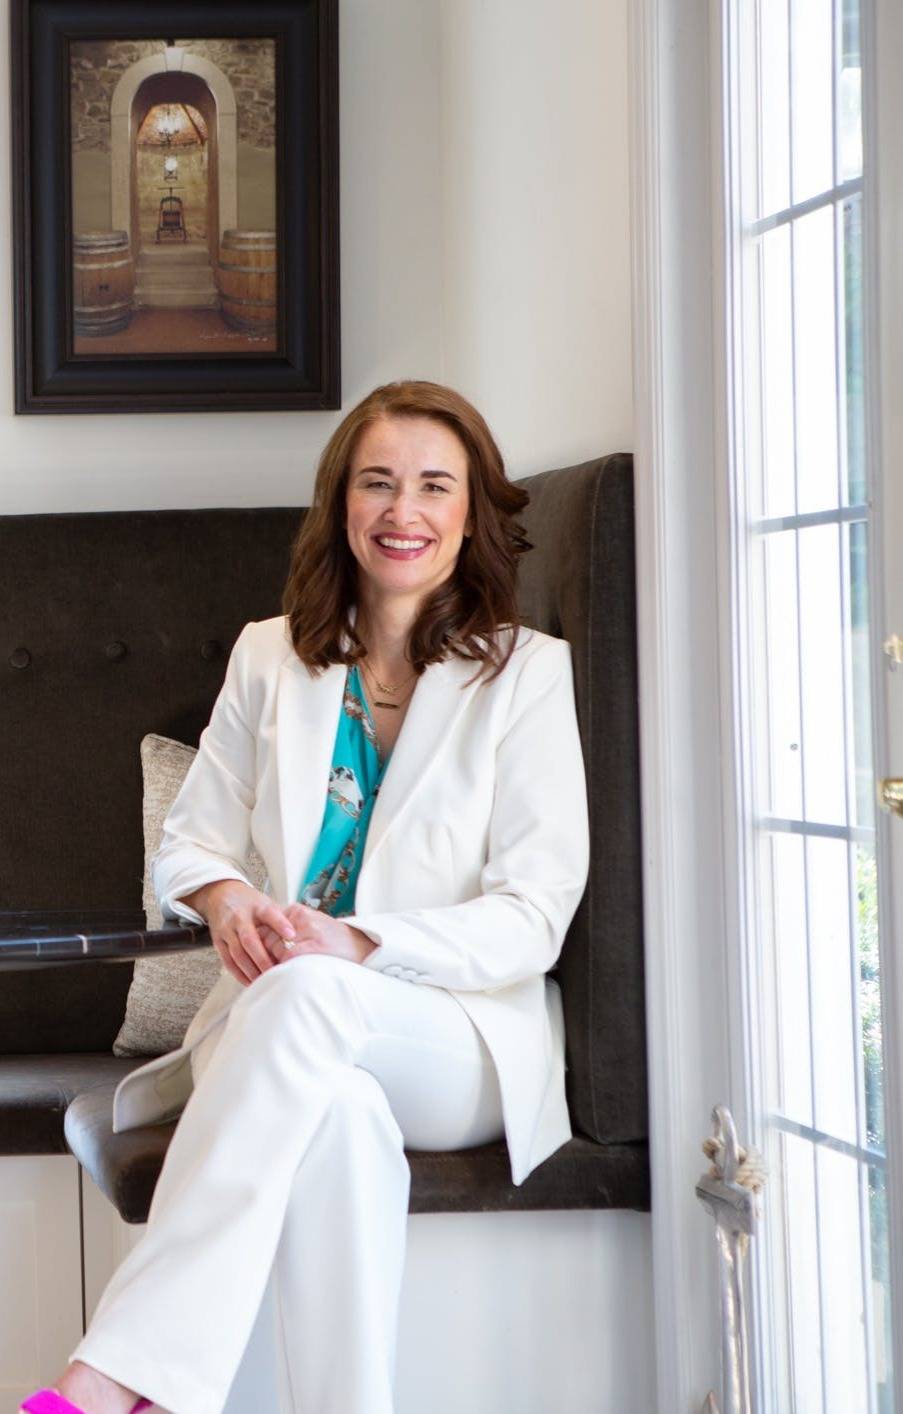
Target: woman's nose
(403, 510)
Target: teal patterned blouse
(354, 781)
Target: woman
(388, 988)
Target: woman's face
(407, 505)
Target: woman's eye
(431, 486)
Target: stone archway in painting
(174, 155)
(175, 76)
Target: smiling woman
(388, 988)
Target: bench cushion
(35, 1092)
(581, 1174)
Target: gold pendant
(393, 705)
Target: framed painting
(176, 205)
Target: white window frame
(691, 883)
(700, 972)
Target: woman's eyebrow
(387, 471)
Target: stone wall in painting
(97, 66)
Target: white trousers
(288, 1161)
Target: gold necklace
(385, 687)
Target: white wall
(535, 224)
(485, 243)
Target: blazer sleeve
(207, 832)
(538, 854)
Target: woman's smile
(398, 547)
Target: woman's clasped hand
(252, 934)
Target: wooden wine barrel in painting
(104, 282)
(246, 280)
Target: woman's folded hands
(252, 934)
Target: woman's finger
(277, 946)
(240, 957)
(274, 917)
(230, 966)
(255, 951)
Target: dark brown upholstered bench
(119, 624)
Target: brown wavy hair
(462, 615)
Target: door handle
(893, 649)
(890, 794)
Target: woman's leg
(277, 1090)
(423, 1072)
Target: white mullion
(862, 1153)
(835, 52)
(837, 515)
(788, 825)
(791, 184)
(841, 191)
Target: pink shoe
(50, 1401)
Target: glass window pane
(801, 1229)
(882, 1357)
(842, 1282)
(774, 68)
(849, 99)
(862, 788)
(851, 349)
(777, 372)
(815, 367)
(821, 653)
(870, 995)
(785, 797)
(791, 978)
(831, 998)
(812, 57)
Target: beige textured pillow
(167, 991)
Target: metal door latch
(893, 648)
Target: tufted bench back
(113, 625)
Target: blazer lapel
(438, 700)
(307, 716)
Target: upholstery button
(115, 651)
(20, 658)
(210, 649)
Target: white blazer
(476, 855)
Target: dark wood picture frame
(305, 372)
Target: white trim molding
(683, 561)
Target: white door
(816, 115)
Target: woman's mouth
(402, 547)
